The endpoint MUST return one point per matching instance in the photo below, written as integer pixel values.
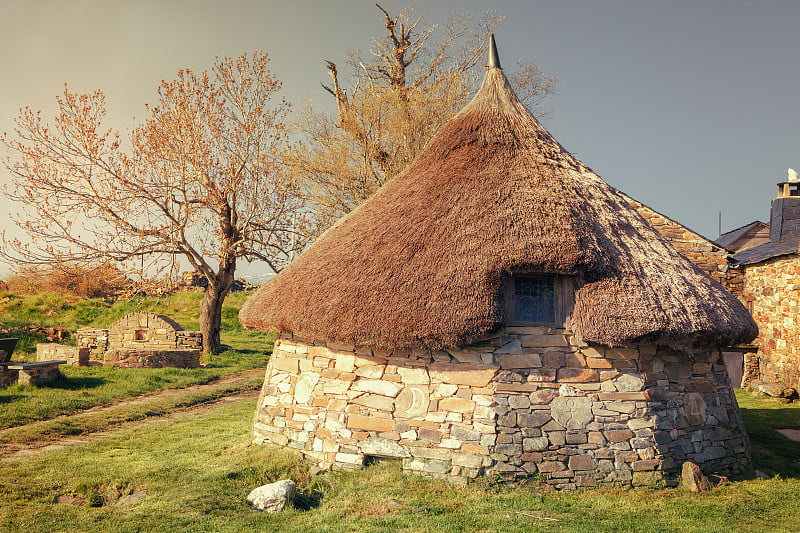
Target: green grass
(83, 387)
(197, 466)
(773, 453)
(197, 469)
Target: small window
(140, 335)
(539, 300)
(534, 300)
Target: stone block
(474, 449)
(369, 423)
(380, 447)
(513, 361)
(377, 386)
(535, 444)
(645, 464)
(430, 435)
(572, 412)
(533, 420)
(345, 362)
(618, 435)
(577, 375)
(285, 364)
(456, 404)
(582, 462)
(473, 375)
(412, 402)
(375, 401)
(543, 341)
(551, 466)
(464, 434)
(575, 360)
(512, 347)
(467, 461)
(413, 376)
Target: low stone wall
(35, 376)
(190, 340)
(95, 339)
(773, 290)
(74, 355)
(7, 376)
(530, 401)
(152, 358)
(145, 332)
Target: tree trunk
(211, 308)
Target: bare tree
(201, 180)
(389, 103)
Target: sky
(691, 107)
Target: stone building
(498, 308)
(772, 292)
(748, 236)
(143, 339)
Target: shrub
(86, 281)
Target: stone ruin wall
(772, 291)
(73, 355)
(164, 344)
(529, 402)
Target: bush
(85, 281)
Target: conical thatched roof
(421, 262)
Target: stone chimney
(784, 217)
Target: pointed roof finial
(494, 59)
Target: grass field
(82, 388)
(192, 465)
(197, 468)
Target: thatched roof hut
(422, 263)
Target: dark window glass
(534, 300)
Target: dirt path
(46, 442)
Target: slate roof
(786, 246)
(728, 238)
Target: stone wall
(145, 358)
(95, 339)
(772, 291)
(143, 339)
(73, 355)
(704, 253)
(528, 402)
(142, 329)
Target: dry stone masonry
(773, 292)
(532, 401)
(73, 355)
(143, 340)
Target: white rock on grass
(273, 497)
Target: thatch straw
(421, 263)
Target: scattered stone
(68, 499)
(273, 497)
(693, 479)
(776, 390)
(133, 497)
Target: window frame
(563, 299)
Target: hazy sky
(691, 107)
